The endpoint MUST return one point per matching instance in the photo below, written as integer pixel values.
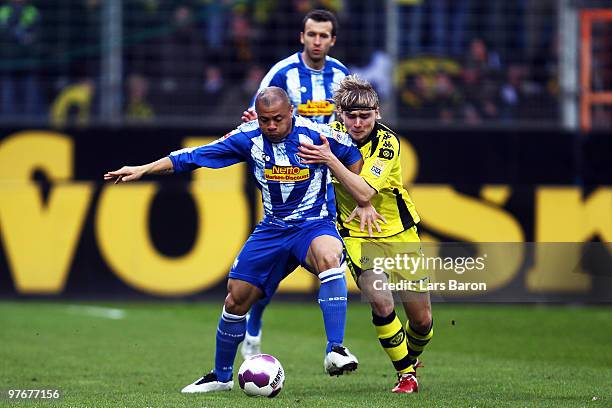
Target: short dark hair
(321, 16)
(271, 95)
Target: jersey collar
(311, 69)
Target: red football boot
(406, 384)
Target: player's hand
(367, 216)
(125, 174)
(249, 115)
(315, 154)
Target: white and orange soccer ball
(261, 375)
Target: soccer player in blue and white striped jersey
(297, 228)
(310, 77)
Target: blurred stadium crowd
(435, 61)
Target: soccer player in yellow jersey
(379, 183)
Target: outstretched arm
(133, 173)
(361, 191)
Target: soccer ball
(261, 375)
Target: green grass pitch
(515, 356)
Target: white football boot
(251, 345)
(208, 383)
(339, 361)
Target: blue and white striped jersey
(311, 91)
(291, 190)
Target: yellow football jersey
(382, 171)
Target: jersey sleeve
(378, 166)
(341, 145)
(223, 152)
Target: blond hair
(355, 93)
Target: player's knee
(383, 307)
(328, 260)
(422, 321)
(235, 306)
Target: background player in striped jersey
(379, 182)
(296, 229)
(310, 77)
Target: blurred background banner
(435, 63)
(64, 233)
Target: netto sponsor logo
(285, 170)
(286, 174)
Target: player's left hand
(367, 216)
(125, 174)
(315, 154)
(249, 115)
